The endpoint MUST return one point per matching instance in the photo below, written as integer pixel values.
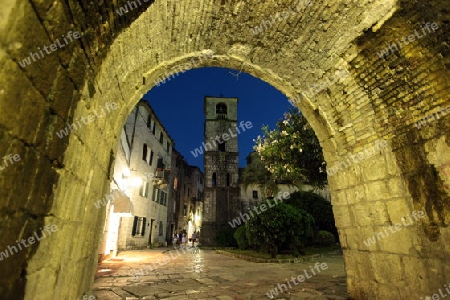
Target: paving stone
(222, 277)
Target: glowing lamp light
(126, 172)
(136, 182)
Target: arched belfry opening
(221, 109)
(345, 65)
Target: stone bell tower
(221, 194)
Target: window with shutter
(155, 195)
(151, 158)
(160, 164)
(144, 152)
(144, 224)
(135, 222)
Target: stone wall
(118, 58)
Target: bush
(325, 238)
(240, 235)
(224, 237)
(282, 226)
(318, 207)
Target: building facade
(149, 165)
(142, 172)
(187, 195)
(194, 200)
(221, 201)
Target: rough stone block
(374, 168)
(396, 187)
(387, 270)
(377, 190)
(396, 241)
(342, 216)
(398, 209)
(356, 194)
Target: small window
(160, 164)
(255, 194)
(155, 195)
(214, 179)
(149, 121)
(221, 146)
(154, 128)
(168, 147)
(228, 179)
(161, 137)
(185, 210)
(162, 198)
(144, 189)
(144, 152)
(151, 158)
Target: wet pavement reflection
(204, 274)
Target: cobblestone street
(208, 275)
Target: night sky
(179, 106)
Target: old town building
(187, 195)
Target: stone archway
(118, 58)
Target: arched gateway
(361, 71)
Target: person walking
(183, 240)
(193, 238)
(174, 240)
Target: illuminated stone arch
(118, 59)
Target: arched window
(214, 179)
(228, 179)
(221, 108)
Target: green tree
(240, 235)
(256, 173)
(292, 151)
(280, 225)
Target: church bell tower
(221, 194)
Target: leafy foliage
(318, 207)
(256, 173)
(279, 226)
(240, 235)
(224, 237)
(292, 151)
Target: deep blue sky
(179, 105)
